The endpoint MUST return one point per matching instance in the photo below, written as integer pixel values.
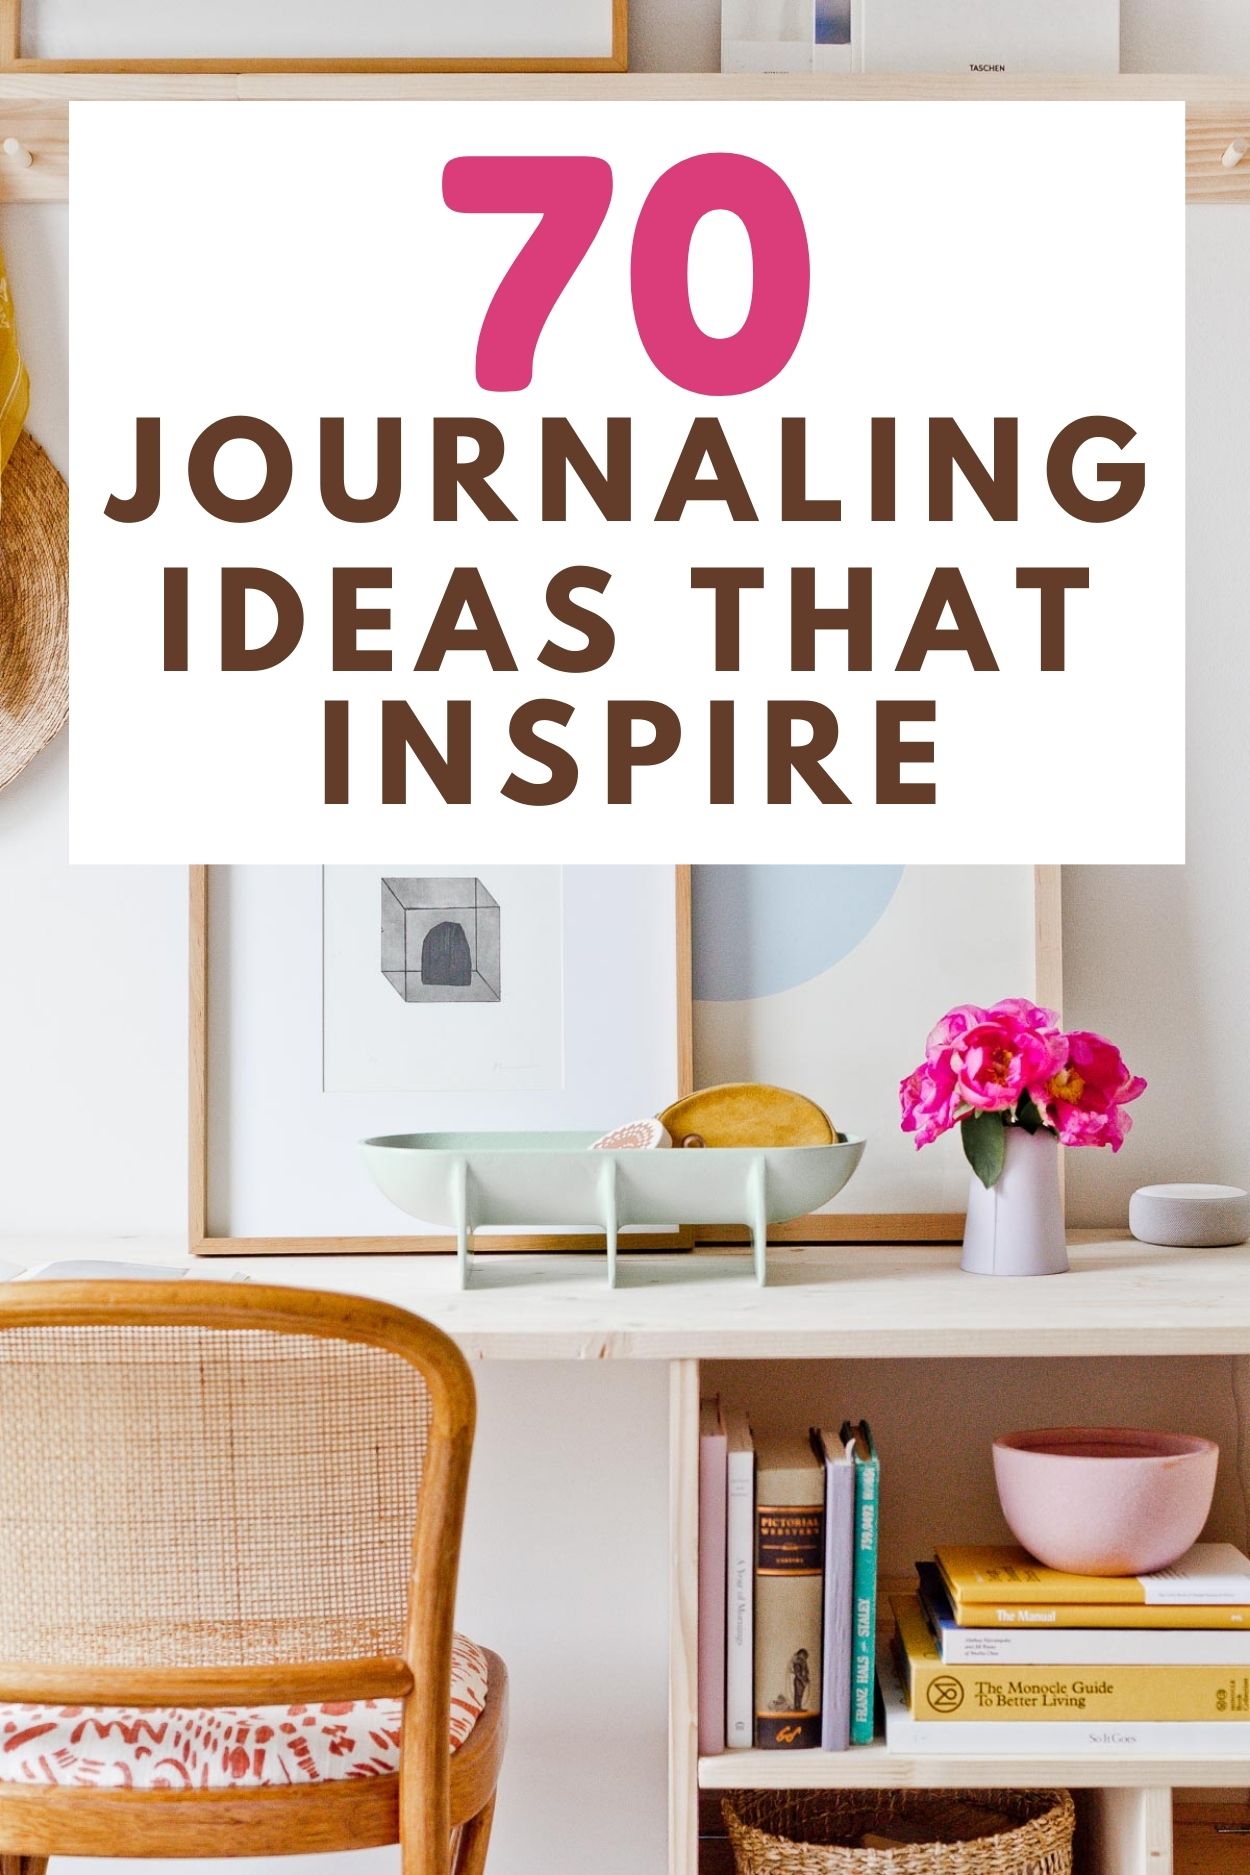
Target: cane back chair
(230, 1522)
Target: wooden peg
(1234, 153)
(17, 153)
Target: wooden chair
(220, 1497)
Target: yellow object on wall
(14, 382)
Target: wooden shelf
(872, 1767)
(1202, 89)
(33, 103)
(832, 1301)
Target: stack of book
(996, 1652)
(787, 1586)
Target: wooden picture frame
(926, 1226)
(202, 1242)
(11, 59)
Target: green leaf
(985, 1145)
(1028, 1116)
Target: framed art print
(828, 979)
(332, 1003)
(317, 35)
(436, 983)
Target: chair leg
(474, 1842)
(22, 1864)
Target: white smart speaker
(1190, 1216)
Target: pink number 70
(572, 193)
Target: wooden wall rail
(37, 169)
(1211, 132)
(34, 114)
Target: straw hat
(34, 604)
(34, 572)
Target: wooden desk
(843, 1301)
(834, 1303)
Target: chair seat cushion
(219, 1747)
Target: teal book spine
(864, 1584)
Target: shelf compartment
(1124, 1831)
(1124, 1801)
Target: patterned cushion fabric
(158, 1748)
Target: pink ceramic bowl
(1105, 1500)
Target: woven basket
(949, 1832)
(34, 577)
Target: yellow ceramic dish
(748, 1113)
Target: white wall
(567, 1581)
(1157, 956)
(90, 962)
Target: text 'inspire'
(239, 615)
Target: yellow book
(1106, 1615)
(979, 1576)
(1119, 1695)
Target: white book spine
(1095, 1647)
(953, 1738)
(740, 1603)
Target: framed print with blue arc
(827, 979)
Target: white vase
(1015, 1228)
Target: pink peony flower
(1076, 1127)
(1029, 1015)
(954, 1023)
(1084, 1100)
(1001, 1059)
(990, 1060)
(929, 1099)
